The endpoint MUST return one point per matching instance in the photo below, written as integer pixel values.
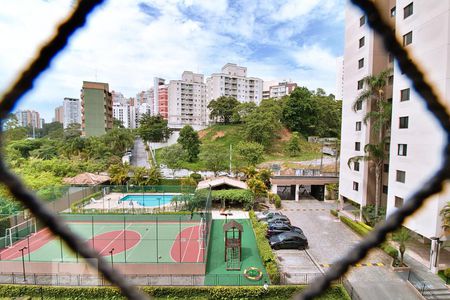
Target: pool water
(149, 200)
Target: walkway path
(140, 156)
(329, 240)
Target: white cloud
(126, 48)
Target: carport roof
(223, 180)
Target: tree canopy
(190, 142)
(153, 128)
(222, 109)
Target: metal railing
(77, 19)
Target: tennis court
(122, 239)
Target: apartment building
(28, 118)
(339, 90)
(96, 108)
(416, 141)
(125, 113)
(72, 111)
(59, 114)
(187, 102)
(140, 110)
(233, 81)
(277, 90)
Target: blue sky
(127, 43)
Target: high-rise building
(28, 118)
(156, 83)
(416, 141)
(125, 113)
(140, 110)
(233, 81)
(339, 78)
(59, 114)
(277, 90)
(187, 100)
(72, 111)
(96, 108)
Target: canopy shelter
(222, 183)
(87, 179)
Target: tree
(293, 145)
(189, 142)
(139, 176)
(250, 152)
(119, 173)
(379, 117)
(376, 154)
(445, 215)
(53, 130)
(300, 112)
(12, 130)
(329, 115)
(154, 176)
(46, 152)
(257, 187)
(214, 157)
(402, 237)
(260, 127)
(153, 128)
(174, 157)
(73, 130)
(242, 111)
(117, 123)
(119, 140)
(222, 109)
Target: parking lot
(329, 240)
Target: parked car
(278, 218)
(277, 228)
(279, 221)
(288, 240)
(267, 214)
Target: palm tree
(401, 236)
(119, 173)
(378, 116)
(139, 176)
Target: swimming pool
(149, 200)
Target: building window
(398, 202)
(393, 10)
(356, 166)
(401, 176)
(355, 186)
(408, 10)
(361, 42)
(360, 84)
(357, 146)
(404, 95)
(385, 189)
(360, 63)
(403, 122)
(402, 149)
(391, 80)
(407, 39)
(358, 105)
(362, 21)
(358, 126)
(386, 168)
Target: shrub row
(265, 251)
(75, 207)
(334, 212)
(216, 292)
(355, 226)
(363, 230)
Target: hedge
(363, 230)
(233, 197)
(74, 207)
(265, 251)
(214, 292)
(334, 212)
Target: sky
(127, 43)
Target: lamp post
(112, 260)
(23, 263)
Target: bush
(265, 251)
(356, 226)
(169, 292)
(197, 177)
(277, 201)
(75, 207)
(447, 272)
(334, 212)
(391, 251)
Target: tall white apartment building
(233, 81)
(339, 92)
(139, 110)
(126, 114)
(416, 141)
(28, 118)
(72, 111)
(187, 100)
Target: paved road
(330, 240)
(139, 157)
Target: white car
(267, 214)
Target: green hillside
(226, 135)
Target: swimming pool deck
(112, 201)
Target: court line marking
(112, 241)
(45, 235)
(186, 248)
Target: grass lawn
(216, 273)
(443, 277)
